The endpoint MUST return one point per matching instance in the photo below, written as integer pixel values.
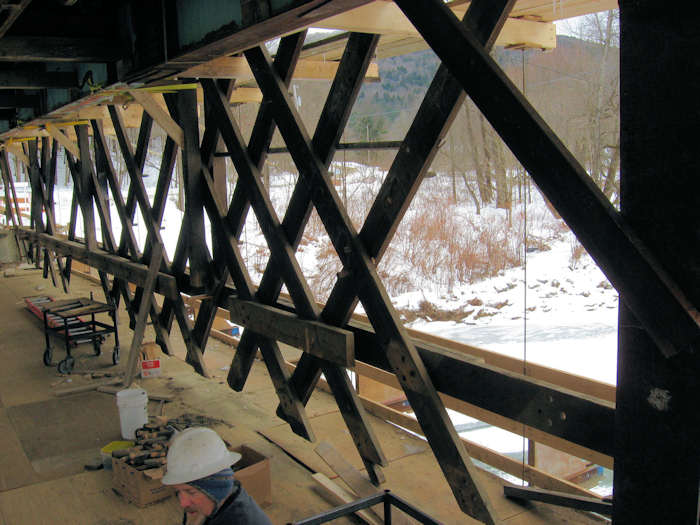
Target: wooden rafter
(385, 18)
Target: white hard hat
(196, 453)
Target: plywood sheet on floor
(85, 498)
(395, 443)
(67, 424)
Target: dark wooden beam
(656, 299)
(327, 342)
(232, 36)
(579, 419)
(193, 220)
(105, 261)
(657, 427)
(561, 499)
(9, 12)
(57, 49)
(31, 78)
(9, 100)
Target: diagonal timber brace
(402, 355)
(331, 123)
(432, 121)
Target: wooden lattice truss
(330, 345)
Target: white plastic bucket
(133, 410)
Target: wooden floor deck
(46, 440)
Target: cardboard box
(149, 363)
(137, 487)
(150, 368)
(253, 471)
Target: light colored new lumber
(155, 110)
(151, 396)
(337, 495)
(238, 68)
(87, 388)
(385, 18)
(17, 152)
(63, 140)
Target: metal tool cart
(69, 318)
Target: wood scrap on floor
(337, 495)
(359, 484)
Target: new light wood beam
(63, 140)
(155, 110)
(386, 18)
(17, 152)
(238, 68)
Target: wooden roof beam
(16, 100)
(30, 78)
(57, 49)
(238, 68)
(386, 18)
(9, 12)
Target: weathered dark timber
(652, 294)
(142, 315)
(107, 262)
(134, 168)
(332, 121)
(71, 228)
(26, 78)
(657, 426)
(431, 123)
(558, 498)
(294, 409)
(414, 379)
(12, 12)
(88, 192)
(57, 49)
(193, 221)
(228, 227)
(231, 38)
(327, 342)
(18, 101)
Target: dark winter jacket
(238, 509)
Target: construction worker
(199, 469)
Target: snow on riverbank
(563, 318)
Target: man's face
(193, 500)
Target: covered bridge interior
(75, 72)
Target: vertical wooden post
(657, 418)
(192, 174)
